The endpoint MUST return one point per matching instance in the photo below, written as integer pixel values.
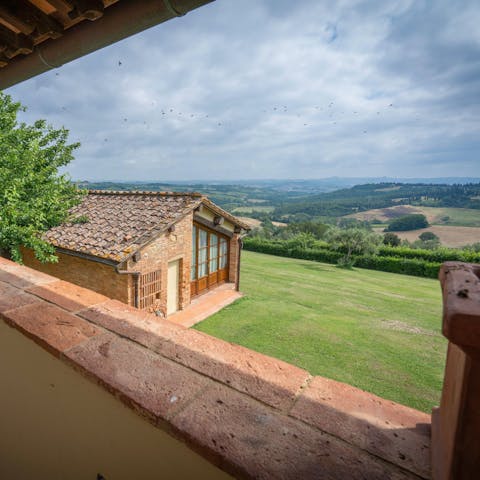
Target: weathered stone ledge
(252, 415)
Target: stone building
(151, 250)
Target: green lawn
(374, 330)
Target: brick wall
(169, 247)
(95, 276)
(233, 261)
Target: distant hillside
(373, 196)
(281, 199)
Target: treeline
(372, 196)
(227, 196)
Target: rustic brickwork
(234, 258)
(140, 233)
(86, 273)
(176, 245)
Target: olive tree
(34, 196)
(352, 241)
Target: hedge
(439, 255)
(406, 266)
(386, 263)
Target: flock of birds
(306, 114)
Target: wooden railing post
(456, 424)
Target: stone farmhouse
(151, 250)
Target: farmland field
(459, 217)
(252, 222)
(449, 236)
(253, 208)
(374, 330)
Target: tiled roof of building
(119, 223)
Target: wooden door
(173, 284)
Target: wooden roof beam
(59, 5)
(14, 22)
(43, 24)
(121, 19)
(15, 42)
(3, 59)
(89, 9)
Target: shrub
(391, 239)
(408, 222)
(427, 236)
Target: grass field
(253, 208)
(374, 330)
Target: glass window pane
(213, 253)
(202, 255)
(213, 264)
(223, 246)
(223, 261)
(202, 270)
(203, 238)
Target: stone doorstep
(206, 305)
(252, 415)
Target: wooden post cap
(461, 305)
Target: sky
(275, 89)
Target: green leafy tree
(391, 239)
(427, 241)
(427, 236)
(413, 221)
(474, 247)
(352, 241)
(301, 240)
(34, 196)
(350, 222)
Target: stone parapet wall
(251, 415)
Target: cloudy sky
(256, 89)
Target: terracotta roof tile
(120, 222)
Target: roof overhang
(39, 35)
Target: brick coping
(251, 415)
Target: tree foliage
(390, 238)
(427, 236)
(408, 222)
(34, 196)
(352, 241)
(379, 195)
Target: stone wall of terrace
(71, 357)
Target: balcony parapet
(251, 415)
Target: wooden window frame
(211, 279)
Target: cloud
(276, 89)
